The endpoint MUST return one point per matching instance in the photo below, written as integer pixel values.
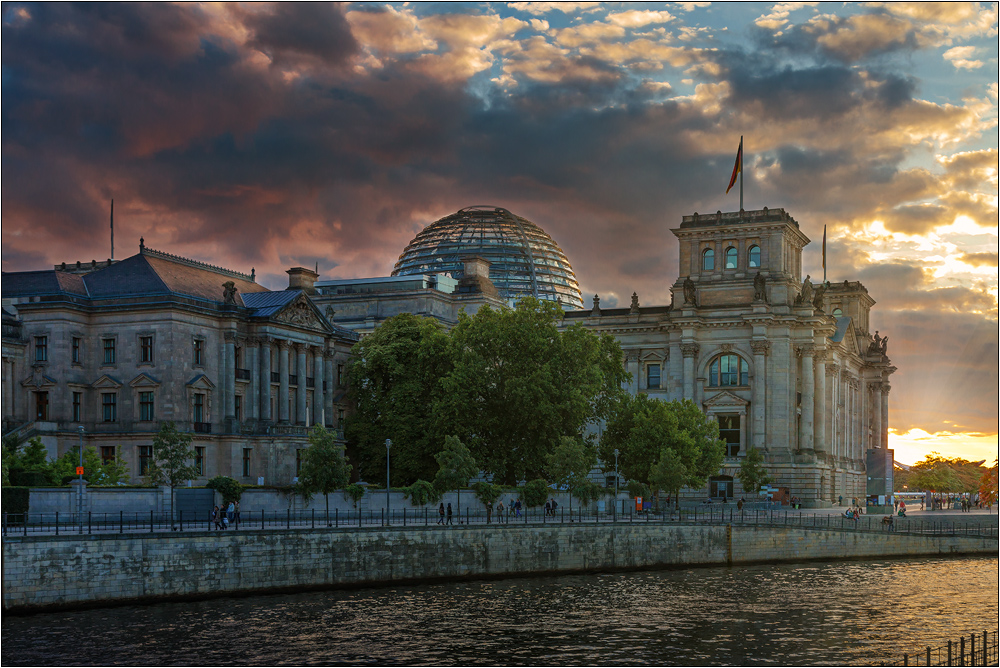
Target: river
(810, 613)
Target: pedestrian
(448, 512)
(554, 506)
(500, 509)
(840, 500)
(548, 508)
(441, 514)
(739, 504)
(215, 519)
(231, 512)
(517, 508)
(237, 514)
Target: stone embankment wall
(51, 572)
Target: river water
(810, 613)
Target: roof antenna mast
(112, 229)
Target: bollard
(121, 521)
(404, 516)
(961, 651)
(336, 518)
(383, 517)
(972, 649)
(906, 659)
(313, 518)
(57, 522)
(928, 656)
(949, 652)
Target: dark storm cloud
(295, 29)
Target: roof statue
(806, 293)
(759, 282)
(690, 297)
(229, 293)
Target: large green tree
(519, 384)
(642, 428)
(752, 474)
(324, 468)
(570, 462)
(395, 384)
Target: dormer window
(708, 260)
(753, 257)
(731, 258)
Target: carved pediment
(653, 356)
(201, 382)
(302, 312)
(144, 380)
(726, 398)
(38, 379)
(106, 382)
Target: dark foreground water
(834, 613)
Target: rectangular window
(340, 375)
(41, 349)
(109, 402)
(199, 356)
(145, 458)
(238, 407)
(77, 403)
(199, 408)
(145, 349)
(246, 461)
(109, 351)
(298, 461)
(729, 431)
(41, 406)
(340, 418)
(146, 406)
(199, 460)
(76, 349)
(107, 454)
(653, 376)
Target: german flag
(738, 167)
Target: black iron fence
(975, 649)
(149, 521)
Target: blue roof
(266, 304)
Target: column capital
(821, 355)
(760, 347)
(284, 344)
(833, 368)
(264, 339)
(230, 337)
(690, 349)
(252, 341)
(301, 348)
(805, 350)
(317, 350)
(886, 387)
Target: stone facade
(786, 365)
(107, 355)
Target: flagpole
(741, 172)
(112, 229)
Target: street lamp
(616, 485)
(388, 444)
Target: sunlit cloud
(961, 57)
(913, 445)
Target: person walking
(448, 512)
(231, 512)
(548, 508)
(441, 514)
(517, 508)
(215, 519)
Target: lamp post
(388, 444)
(79, 491)
(616, 485)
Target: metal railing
(973, 650)
(58, 523)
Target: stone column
(833, 446)
(318, 400)
(758, 396)
(690, 351)
(284, 345)
(229, 382)
(300, 392)
(808, 392)
(633, 368)
(884, 431)
(253, 395)
(820, 443)
(328, 393)
(876, 415)
(265, 379)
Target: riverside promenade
(114, 563)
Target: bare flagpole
(112, 229)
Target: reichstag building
(110, 349)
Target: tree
(487, 493)
(535, 492)
(455, 466)
(752, 474)
(586, 490)
(170, 465)
(229, 488)
(395, 383)
(519, 384)
(641, 427)
(324, 467)
(988, 484)
(669, 473)
(95, 471)
(569, 464)
(354, 493)
(421, 492)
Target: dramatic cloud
(295, 134)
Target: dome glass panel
(524, 260)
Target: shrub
(230, 489)
(354, 493)
(15, 500)
(22, 478)
(421, 493)
(535, 493)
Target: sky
(272, 136)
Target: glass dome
(524, 260)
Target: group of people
(550, 507)
(444, 513)
(853, 513)
(223, 517)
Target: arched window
(837, 312)
(708, 260)
(731, 259)
(753, 257)
(728, 371)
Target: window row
(723, 371)
(731, 258)
(109, 348)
